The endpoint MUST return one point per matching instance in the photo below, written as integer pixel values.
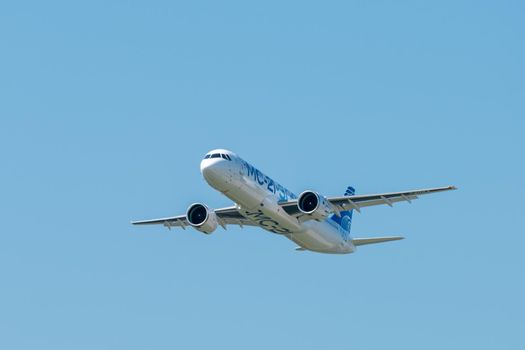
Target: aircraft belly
(270, 216)
(321, 237)
(261, 208)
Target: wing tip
(149, 222)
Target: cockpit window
(218, 155)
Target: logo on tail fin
(350, 191)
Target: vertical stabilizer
(345, 221)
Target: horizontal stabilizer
(373, 240)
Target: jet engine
(314, 205)
(202, 218)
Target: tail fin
(345, 221)
(350, 191)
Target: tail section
(350, 191)
(373, 240)
(345, 220)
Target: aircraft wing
(225, 216)
(359, 201)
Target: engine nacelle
(315, 205)
(202, 218)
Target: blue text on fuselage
(266, 182)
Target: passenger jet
(314, 222)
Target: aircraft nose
(205, 167)
(212, 170)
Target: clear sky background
(107, 107)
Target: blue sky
(108, 107)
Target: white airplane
(314, 222)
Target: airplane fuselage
(257, 196)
